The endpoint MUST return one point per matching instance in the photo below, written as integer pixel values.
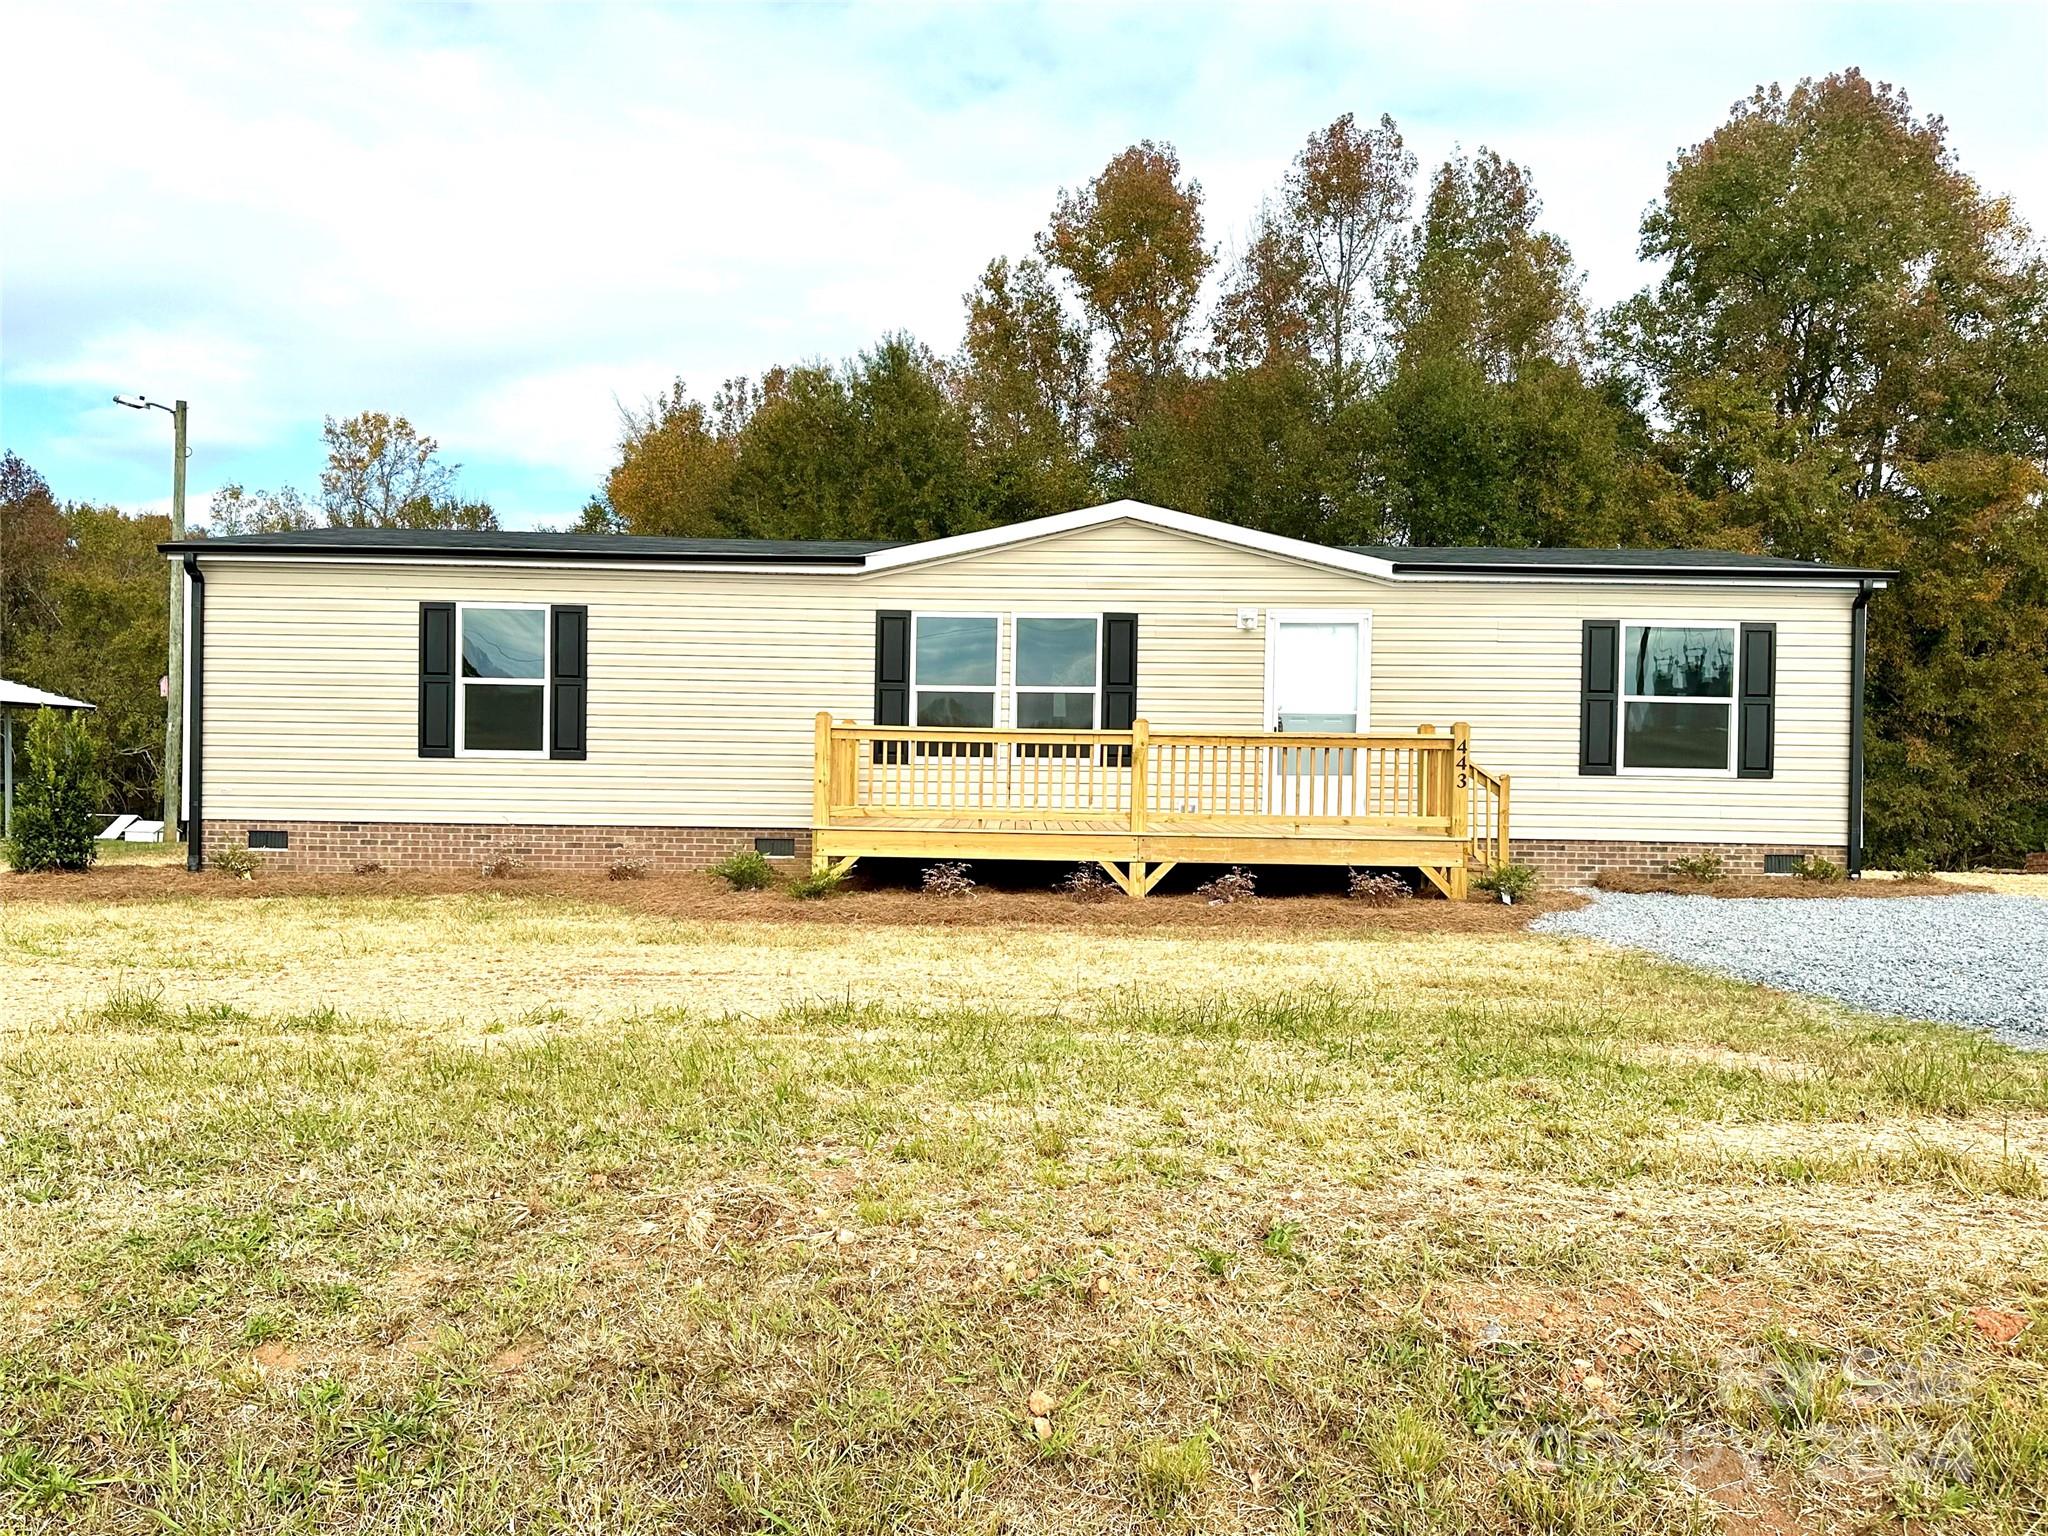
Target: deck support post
(1141, 748)
(1116, 873)
(821, 789)
(1460, 808)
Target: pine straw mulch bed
(703, 898)
(1787, 886)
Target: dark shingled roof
(1597, 562)
(556, 546)
(398, 543)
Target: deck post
(821, 788)
(1460, 779)
(1501, 818)
(1141, 747)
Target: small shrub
(1703, 867)
(747, 871)
(1087, 882)
(499, 864)
(947, 880)
(57, 799)
(1815, 868)
(367, 867)
(627, 869)
(1510, 882)
(1233, 885)
(238, 861)
(1915, 865)
(1378, 890)
(817, 886)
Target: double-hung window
(953, 669)
(501, 696)
(1059, 680)
(1678, 698)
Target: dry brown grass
(508, 1209)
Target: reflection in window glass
(956, 652)
(1668, 662)
(1056, 653)
(502, 717)
(1658, 734)
(956, 707)
(1056, 711)
(503, 642)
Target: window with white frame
(1058, 682)
(501, 703)
(953, 669)
(1678, 698)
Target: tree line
(1845, 357)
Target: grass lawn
(534, 1207)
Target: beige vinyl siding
(703, 684)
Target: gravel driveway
(1966, 959)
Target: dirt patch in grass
(704, 898)
(1787, 886)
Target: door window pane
(502, 717)
(1669, 735)
(1685, 663)
(1316, 668)
(503, 642)
(954, 652)
(1056, 653)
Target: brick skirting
(338, 847)
(1573, 861)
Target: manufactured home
(1123, 685)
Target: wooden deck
(1139, 802)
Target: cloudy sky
(503, 220)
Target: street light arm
(143, 402)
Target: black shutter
(892, 677)
(1599, 694)
(892, 667)
(1119, 681)
(1119, 671)
(1755, 752)
(569, 673)
(437, 679)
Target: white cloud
(499, 220)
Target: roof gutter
(195, 717)
(1859, 640)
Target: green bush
(1510, 882)
(59, 796)
(813, 887)
(238, 861)
(1813, 867)
(747, 871)
(1703, 867)
(1914, 865)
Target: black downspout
(1859, 637)
(195, 718)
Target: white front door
(1317, 665)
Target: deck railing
(1416, 782)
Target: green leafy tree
(1024, 381)
(1850, 346)
(383, 473)
(1489, 429)
(234, 509)
(1131, 243)
(59, 798)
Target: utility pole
(174, 676)
(174, 690)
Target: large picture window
(953, 670)
(1678, 698)
(501, 703)
(1058, 681)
